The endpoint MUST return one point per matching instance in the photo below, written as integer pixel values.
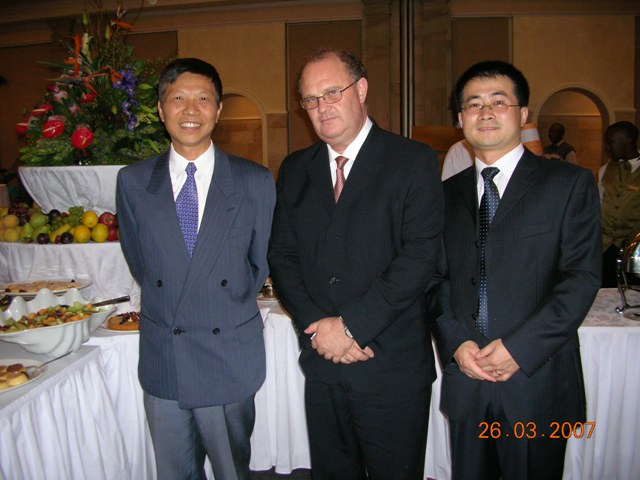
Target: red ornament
(82, 138)
(53, 127)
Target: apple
(113, 234)
(108, 219)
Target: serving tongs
(111, 301)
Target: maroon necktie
(337, 189)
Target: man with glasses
(522, 250)
(355, 239)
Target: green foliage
(108, 93)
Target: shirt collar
(204, 163)
(351, 152)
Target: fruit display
(21, 223)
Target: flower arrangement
(101, 109)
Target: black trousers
(358, 435)
(480, 453)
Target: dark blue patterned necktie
(187, 209)
(488, 207)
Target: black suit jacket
(543, 272)
(368, 258)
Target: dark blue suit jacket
(368, 258)
(543, 254)
(201, 339)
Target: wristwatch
(346, 329)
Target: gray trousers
(182, 438)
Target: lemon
(81, 234)
(99, 233)
(10, 221)
(11, 235)
(90, 219)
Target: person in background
(194, 228)
(459, 157)
(520, 271)
(559, 149)
(355, 239)
(619, 182)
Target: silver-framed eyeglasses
(330, 96)
(497, 106)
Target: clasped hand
(493, 363)
(330, 341)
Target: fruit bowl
(54, 340)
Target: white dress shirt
(350, 152)
(507, 164)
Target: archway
(584, 116)
(240, 128)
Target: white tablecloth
(102, 263)
(93, 187)
(61, 426)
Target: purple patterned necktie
(337, 189)
(187, 209)
(488, 207)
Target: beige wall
(250, 59)
(560, 51)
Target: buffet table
(610, 352)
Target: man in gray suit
(196, 241)
(522, 241)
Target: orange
(99, 233)
(81, 234)
(11, 235)
(90, 219)
(10, 221)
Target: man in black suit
(523, 257)
(351, 253)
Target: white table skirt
(61, 426)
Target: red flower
(42, 109)
(87, 97)
(22, 127)
(53, 127)
(82, 138)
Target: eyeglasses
(497, 106)
(332, 96)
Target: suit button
(476, 244)
(159, 283)
(224, 282)
(215, 331)
(473, 281)
(474, 316)
(177, 331)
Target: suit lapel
(162, 191)
(521, 180)
(320, 177)
(366, 165)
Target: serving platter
(27, 363)
(56, 286)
